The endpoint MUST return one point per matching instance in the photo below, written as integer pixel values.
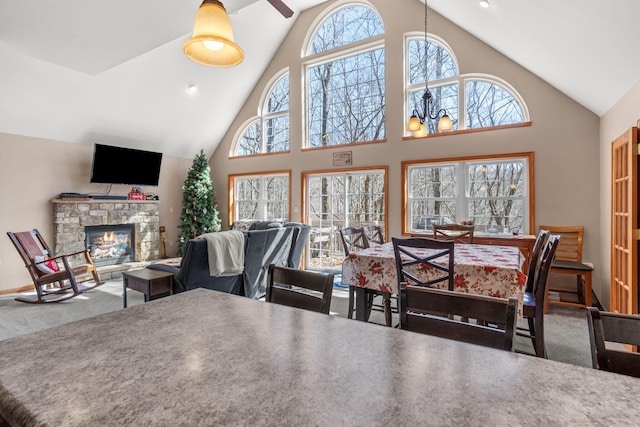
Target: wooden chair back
(534, 259)
(374, 234)
(288, 286)
(354, 239)
(407, 254)
(541, 275)
(570, 248)
(457, 232)
(614, 328)
(534, 297)
(459, 316)
(31, 244)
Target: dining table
(206, 358)
(492, 270)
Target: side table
(150, 282)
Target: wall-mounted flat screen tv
(117, 165)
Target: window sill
(343, 146)
(464, 131)
(259, 154)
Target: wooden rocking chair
(45, 270)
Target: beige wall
(563, 136)
(33, 171)
(616, 121)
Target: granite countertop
(208, 358)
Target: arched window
(484, 101)
(345, 79)
(489, 104)
(269, 133)
(442, 70)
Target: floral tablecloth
(479, 269)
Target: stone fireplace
(110, 244)
(141, 217)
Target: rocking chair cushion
(48, 267)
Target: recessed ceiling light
(484, 3)
(192, 88)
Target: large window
(493, 192)
(268, 133)
(263, 196)
(346, 79)
(337, 200)
(484, 100)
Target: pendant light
(417, 121)
(212, 41)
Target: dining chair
(539, 244)
(458, 232)
(448, 314)
(354, 239)
(52, 282)
(533, 299)
(606, 327)
(410, 256)
(374, 234)
(569, 261)
(289, 286)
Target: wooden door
(624, 223)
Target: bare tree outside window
(270, 132)
(440, 65)
(496, 198)
(336, 201)
(486, 103)
(276, 120)
(251, 140)
(433, 194)
(264, 198)
(490, 105)
(493, 194)
(345, 26)
(346, 96)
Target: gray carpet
(567, 337)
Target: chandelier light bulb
(213, 45)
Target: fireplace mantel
(71, 216)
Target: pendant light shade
(212, 41)
(414, 124)
(421, 132)
(445, 123)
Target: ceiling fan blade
(282, 8)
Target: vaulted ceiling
(113, 72)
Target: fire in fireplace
(110, 244)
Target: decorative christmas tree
(199, 209)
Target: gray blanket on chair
(226, 252)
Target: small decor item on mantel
(136, 194)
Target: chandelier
(416, 123)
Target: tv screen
(117, 165)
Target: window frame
(306, 175)
(462, 190)
(460, 80)
(262, 117)
(232, 190)
(357, 47)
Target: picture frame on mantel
(342, 158)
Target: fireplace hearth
(110, 244)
